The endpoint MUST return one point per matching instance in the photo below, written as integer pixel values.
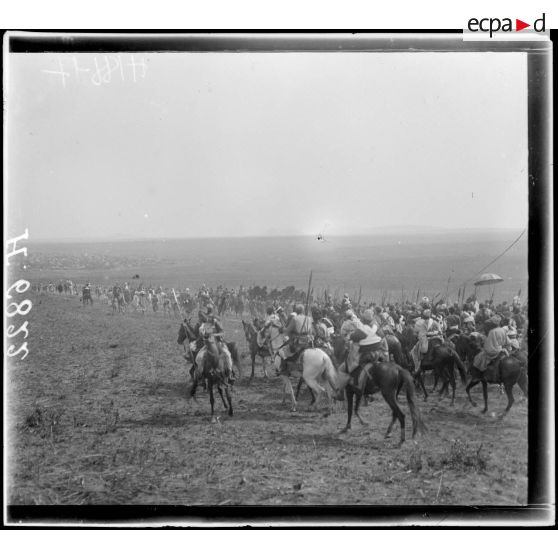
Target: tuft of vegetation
(462, 456)
(45, 421)
(415, 460)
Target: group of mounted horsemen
(359, 350)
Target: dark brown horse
(467, 346)
(189, 333)
(214, 370)
(508, 370)
(442, 360)
(396, 350)
(408, 339)
(209, 371)
(251, 334)
(387, 378)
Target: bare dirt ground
(98, 414)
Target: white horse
(317, 370)
(138, 304)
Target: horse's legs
(316, 390)
(449, 379)
(436, 376)
(509, 392)
(397, 414)
(420, 378)
(298, 386)
(471, 384)
(290, 391)
(439, 373)
(485, 395)
(211, 399)
(229, 399)
(349, 392)
(253, 357)
(357, 404)
(393, 419)
(453, 386)
(193, 388)
(220, 390)
(264, 368)
(522, 383)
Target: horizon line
(369, 232)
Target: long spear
(176, 301)
(308, 293)
(447, 289)
(307, 302)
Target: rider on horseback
(427, 330)
(495, 346)
(346, 303)
(452, 323)
(371, 347)
(351, 324)
(299, 335)
(211, 327)
(323, 329)
(272, 320)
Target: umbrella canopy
(488, 279)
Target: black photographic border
(538, 512)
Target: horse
(217, 373)
(395, 349)
(386, 377)
(137, 304)
(443, 360)
(467, 346)
(408, 338)
(188, 332)
(86, 297)
(508, 370)
(316, 367)
(255, 350)
(121, 303)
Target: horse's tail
(334, 378)
(233, 349)
(418, 424)
(460, 366)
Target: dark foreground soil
(99, 414)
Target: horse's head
(212, 351)
(182, 334)
(186, 332)
(339, 345)
(474, 343)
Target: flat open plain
(98, 414)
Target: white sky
(255, 144)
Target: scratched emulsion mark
(102, 69)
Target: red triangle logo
(519, 25)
